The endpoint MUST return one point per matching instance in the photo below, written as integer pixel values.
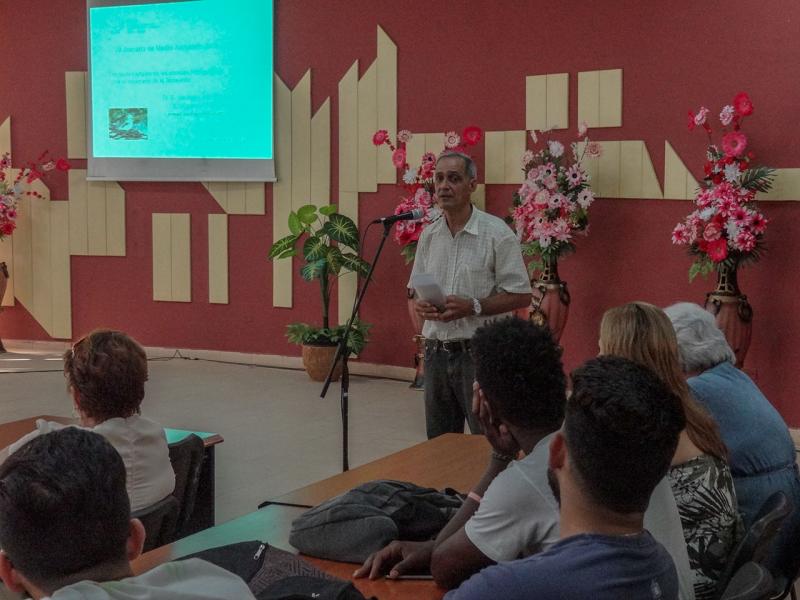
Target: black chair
(186, 457)
(751, 582)
(757, 542)
(159, 522)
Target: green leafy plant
(329, 244)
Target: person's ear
(9, 574)
(135, 542)
(558, 452)
(473, 184)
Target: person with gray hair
(476, 259)
(761, 451)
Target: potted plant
(330, 249)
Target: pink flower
(547, 169)
(700, 117)
(745, 241)
(399, 158)
(534, 173)
(8, 228)
(680, 235)
(704, 198)
(726, 115)
(712, 232)
(451, 140)
(717, 250)
(11, 213)
(557, 200)
(574, 175)
(561, 230)
(429, 157)
(594, 149)
(550, 182)
(471, 135)
(585, 198)
(742, 104)
(380, 137)
(740, 216)
(542, 198)
(734, 143)
(759, 223)
(404, 136)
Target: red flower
(690, 121)
(717, 250)
(742, 104)
(8, 228)
(734, 143)
(399, 158)
(471, 135)
(63, 165)
(380, 137)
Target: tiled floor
(279, 435)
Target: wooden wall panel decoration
(61, 280)
(162, 257)
(557, 100)
(600, 98)
(75, 84)
(347, 284)
(495, 161)
(478, 197)
(282, 193)
(96, 218)
(367, 125)
(514, 142)
(40, 265)
(7, 246)
(678, 181)
(387, 103)
(301, 142)
(536, 102)
(181, 255)
(321, 155)
(348, 130)
(786, 186)
(218, 259)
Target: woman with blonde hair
(106, 372)
(700, 477)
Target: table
(203, 514)
(452, 460)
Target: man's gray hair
(470, 168)
(701, 344)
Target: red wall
(458, 63)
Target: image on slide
(127, 123)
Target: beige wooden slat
(321, 155)
(75, 83)
(650, 186)
(608, 170)
(347, 284)
(61, 299)
(78, 212)
(219, 190)
(367, 125)
(7, 256)
(495, 148)
(415, 148)
(301, 142)
(237, 204)
(218, 259)
(591, 167)
(180, 231)
(630, 183)
(478, 197)
(785, 186)
(675, 174)
(387, 103)
(23, 262)
(558, 100)
(514, 147)
(96, 218)
(610, 98)
(42, 280)
(535, 102)
(162, 257)
(589, 98)
(434, 143)
(5, 136)
(348, 130)
(254, 198)
(691, 187)
(282, 193)
(115, 219)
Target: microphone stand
(342, 352)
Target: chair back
(751, 582)
(186, 457)
(757, 541)
(159, 522)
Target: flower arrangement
(552, 204)
(418, 182)
(11, 186)
(726, 228)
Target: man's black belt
(447, 345)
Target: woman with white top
(106, 372)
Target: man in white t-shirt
(66, 531)
(511, 512)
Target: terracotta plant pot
(732, 311)
(419, 342)
(317, 362)
(551, 299)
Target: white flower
(726, 115)
(404, 135)
(527, 157)
(583, 127)
(707, 213)
(556, 148)
(544, 241)
(451, 139)
(732, 172)
(585, 198)
(409, 176)
(732, 228)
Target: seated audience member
(761, 453)
(66, 531)
(105, 374)
(619, 435)
(699, 475)
(511, 512)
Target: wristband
(506, 458)
(474, 496)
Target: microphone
(411, 215)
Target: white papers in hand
(428, 289)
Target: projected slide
(184, 79)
